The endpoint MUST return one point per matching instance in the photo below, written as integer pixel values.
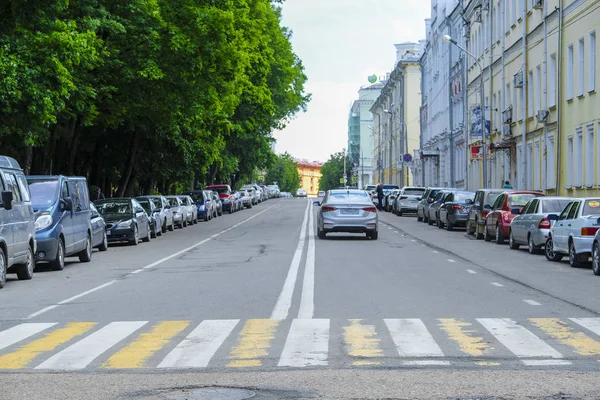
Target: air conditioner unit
(477, 16)
(539, 4)
(518, 80)
(542, 116)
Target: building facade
(396, 119)
(310, 174)
(360, 135)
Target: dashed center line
(497, 284)
(436, 252)
(451, 260)
(532, 302)
(471, 271)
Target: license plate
(349, 211)
(108, 233)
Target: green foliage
(284, 171)
(332, 171)
(146, 95)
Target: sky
(341, 43)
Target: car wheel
(595, 259)
(153, 232)
(486, 235)
(419, 218)
(499, 236)
(449, 225)
(374, 235)
(163, 228)
(86, 255)
(550, 254)
(104, 245)
(321, 234)
(399, 213)
(184, 222)
(429, 221)
(439, 222)
(25, 271)
(136, 237)
(479, 235)
(511, 242)
(573, 258)
(58, 264)
(3, 264)
(531, 245)
(172, 226)
(148, 234)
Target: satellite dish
(372, 78)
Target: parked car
(596, 252)
(432, 210)
(484, 198)
(454, 211)
(253, 193)
(504, 209)
(275, 190)
(408, 199)
(225, 194)
(349, 210)
(210, 205)
(219, 203)
(180, 211)
(191, 209)
(301, 193)
(237, 201)
(389, 199)
(99, 237)
(425, 201)
(126, 220)
(153, 215)
(17, 223)
(63, 225)
(163, 211)
(247, 198)
(574, 231)
(531, 226)
(321, 193)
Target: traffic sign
(345, 175)
(343, 181)
(355, 179)
(407, 158)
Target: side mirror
(515, 211)
(487, 207)
(552, 217)
(7, 199)
(468, 202)
(67, 204)
(317, 203)
(95, 215)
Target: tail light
(484, 214)
(457, 207)
(370, 209)
(545, 223)
(328, 208)
(589, 231)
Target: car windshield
(219, 189)
(173, 201)
(555, 205)
(519, 200)
(414, 192)
(43, 192)
(591, 207)
(114, 207)
(434, 193)
(348, 197)
(145, 203)
(462, 197)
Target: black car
(126, 220)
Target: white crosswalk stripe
(301, 343)
(200, 346)
(82, 353)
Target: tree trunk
(130, 190)
(28, 160)
(49, 151)
(76, 129)
(124, 181)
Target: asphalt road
(254, 300)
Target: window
(22, 181)
(514, 12)
(13, 186)
(598, 156)
(592, 62)
(580, 67)
(530, 89)
(550, 157)
(515, 104)
(570, 161)
(538, 88)
(573, 211)
(589, 155)
(578, 157)
(536, 165)
(494, 121)
(519, 159)
(1, 183)
(529, 162)
(507, 96)
(498, 21)
(565, 212)
(570, 61)
(552, 81)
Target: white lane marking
(137, 271)
(497, 284)
(451, 260)
(395, 231)
(545, 363)
(532, 302)
(516, 338)
(471, 271)
(413, 240)
(82, 353)
(307, 343)
(20, 332)
(154, 264)
(426, 362)
(199, 347)
(591, 324)
(412, 339)
(284, 301)
(307, 300)
(422, 245)
(436, 252)
(389, 228)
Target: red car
(225, 194)
(499, 217)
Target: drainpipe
(466, 120)
(524, 97)
(544, 97)
(558, 141)
(503, 91)
(421, 158)
(490, 68)
(450, 113)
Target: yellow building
(310, 173)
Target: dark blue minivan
(63, 218)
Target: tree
(332, 171)
(284, 171)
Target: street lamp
(448, 39)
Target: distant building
(310, 174)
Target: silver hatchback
(347, 210)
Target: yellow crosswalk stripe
(24, 355)
(361, 341)
(137, 352)
(254, 342)
(458, 331)
(579, 341)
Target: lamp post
(448, 39)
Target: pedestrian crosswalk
(300, 343)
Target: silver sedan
(347, 210)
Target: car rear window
(519, 200)
(462, 197)
(414, 192)
(348, 196)
(591, 207)
(434, 193)
(492, 198)
(555, 206)
(218, 189)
